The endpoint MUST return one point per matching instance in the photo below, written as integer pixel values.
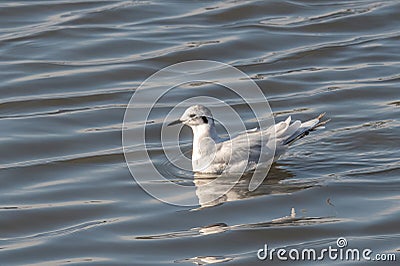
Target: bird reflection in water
(273, 184)
(215, 193)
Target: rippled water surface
(69, 68)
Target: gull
(245, 152)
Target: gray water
(69, 68)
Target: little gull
(244, 152)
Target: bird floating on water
(244, 152)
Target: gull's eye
(192, 115)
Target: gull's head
(195, 115)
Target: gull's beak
(174, 123)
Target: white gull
(244, 152)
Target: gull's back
(255, 148)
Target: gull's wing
(242, 151)
(298, 130)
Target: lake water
(69, 68)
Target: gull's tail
(298, 130)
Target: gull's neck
(204, 139)
(205, 131)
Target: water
(69, 68)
